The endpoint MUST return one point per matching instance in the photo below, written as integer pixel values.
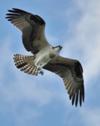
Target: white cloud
(91, 117)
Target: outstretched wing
(32, 27)
(72, 74)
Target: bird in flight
(44, 55)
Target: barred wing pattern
(72, 74)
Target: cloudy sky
(43, 101)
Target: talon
(41, 72)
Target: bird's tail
(26, 64)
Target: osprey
(45, 56)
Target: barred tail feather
(26, 64)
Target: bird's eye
(53, 47)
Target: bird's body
(42, 57)
(45, 56)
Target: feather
(32, 27)
(72, 74)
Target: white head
(55, 51)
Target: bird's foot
(39, 71)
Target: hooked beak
(60, 47)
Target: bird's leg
(40, 71)
(39, 66)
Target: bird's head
(55, 51)
(57, 48)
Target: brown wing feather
(72, 74)
(32, 27)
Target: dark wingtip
(77, 98)
(15, 11)
(11, 10)
(8, 14)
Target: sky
(43, 101)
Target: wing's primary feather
(72, 74)
(32, 27)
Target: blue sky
(43, 101)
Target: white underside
(42, 58)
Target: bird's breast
(43, 57)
